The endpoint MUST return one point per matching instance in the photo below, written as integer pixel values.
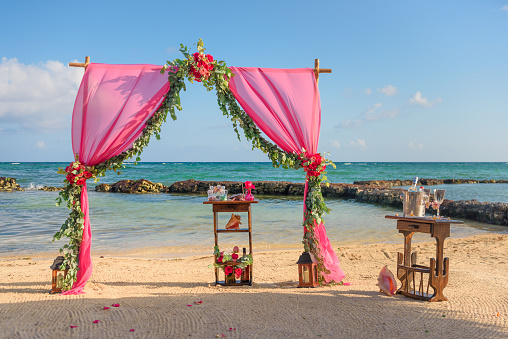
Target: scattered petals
(347, 284)
(189, 305)
(96, 321)
(222, 335)
(116, 305)
(198, 302)
(106, 308)
(498, 314)
(72, 326)
(131, 330)
(232, 329)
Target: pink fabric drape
(112, 107)
(285, 105)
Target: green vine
(213, 74)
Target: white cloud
(370, 115)
(37, 96)
(171, 50)
(335, 143)
(414, 144)
(368, 91)
(504, 8)
(388, 90)
(358, 143)
(419, 100)
(40, 144)
(347, 92)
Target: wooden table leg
(403, 275)
(439, 269)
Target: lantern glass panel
(306, 277)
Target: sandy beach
(176, 298)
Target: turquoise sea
(167, 222)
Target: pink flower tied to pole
(314, 164)
(77, 173)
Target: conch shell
(386, 282)
(234, 223)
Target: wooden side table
(231, 207)
(408, 270)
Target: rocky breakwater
(131, 186)
(9, 185)
(489, 212)
(427, 182)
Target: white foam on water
(14, 163)
(33, 187)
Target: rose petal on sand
(189, 305)
(116, 305)
(106, 308)
(198, 302)
(346, 284)
(96, 321)
(131, 330)
(72, 326)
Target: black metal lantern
(57, 275)
(307, 271)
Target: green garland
(212, 74)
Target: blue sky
(411, 81)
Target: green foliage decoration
(214, 75)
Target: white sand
(154, 293)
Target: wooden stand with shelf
(407, 269)
(231, 207)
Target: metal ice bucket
(413, 204)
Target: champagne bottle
(413, 186)
(246, 271)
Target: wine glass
(438, 199)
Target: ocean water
(169, 222)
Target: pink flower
(96, 321)
(236, 249)
(228, 270)
(116, 305)
(249, 185)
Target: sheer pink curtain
(285, 105)
(111, 109)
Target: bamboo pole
(81, 64)
(318, 70)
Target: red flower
(234, 256)
(81, 181)
(228, 270)
(209, 57)
(70, 178)
(87, 174)
(68, 169)
(238, 272)
(219, 259)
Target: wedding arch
(119, 107)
